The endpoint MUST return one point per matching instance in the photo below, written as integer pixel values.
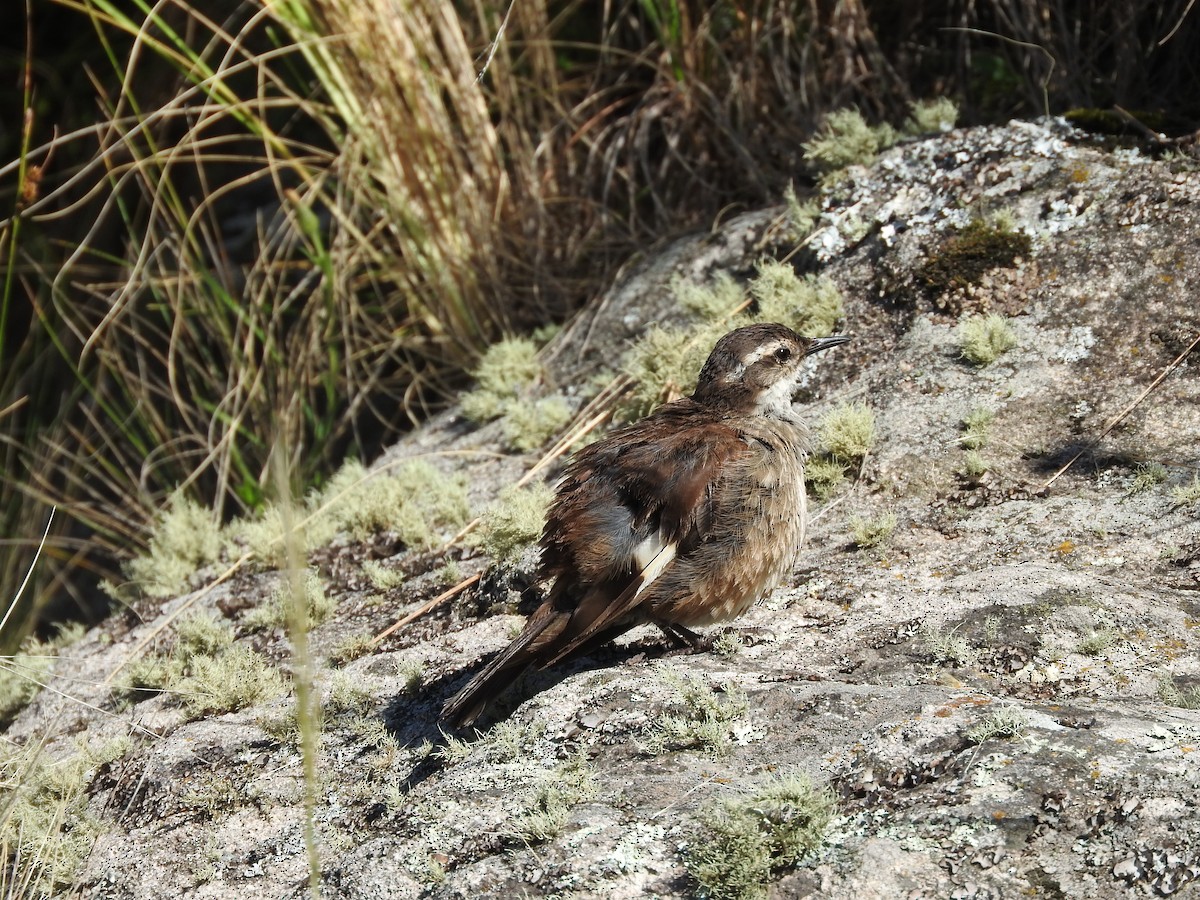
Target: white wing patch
(653, 556)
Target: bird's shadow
(414, 722)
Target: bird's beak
(824, 343)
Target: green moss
(848, 432)
(507, 369)
(1109, 121)
(811, 305)
(846, 139)
(350, 648)
(965, 257)
(802, 216)
(984, 339)
(748, 840)
(1096, 642)
(46, 829)
(23, 673)
(1187, 494)
(699, 717)
(931, 116)
(715, 300)
(823, 474)
(382, 577)
(551, 800)
(1146, 476)
(975, 428)
(514, 521)
(318, 606)
(974, 465)
(185, 537)
(1006, 722)
(529, 424)
(872, 532)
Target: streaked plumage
(685, 518)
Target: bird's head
(757, 370)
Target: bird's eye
(783, 354)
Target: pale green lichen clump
(872, 532)
(551, 800)
(715, 300)
(810, 305)
(846, 139)
(931, 116)
(22, 674)
(746, 840)
(46, 827)
(823, 475)
(416, 501)
(848, 432)
(984, 339)
(507, 368)
(514, 521)
(206, 670)
(1006, 722)
(699, 718)
(185, 537)
(665, 362)
(1187, 494)
(975, 428)
(318, 606)
(507, 376)
(846, 436)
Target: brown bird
(685, 518)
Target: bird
(682, 519)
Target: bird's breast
(758, 529)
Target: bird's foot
(684, 639)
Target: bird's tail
(543, 627)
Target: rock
(986, 694)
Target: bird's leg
(684, 638)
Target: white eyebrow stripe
(653, 557)
(765, 350)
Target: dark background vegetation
(227, 227)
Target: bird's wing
(627, 509)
